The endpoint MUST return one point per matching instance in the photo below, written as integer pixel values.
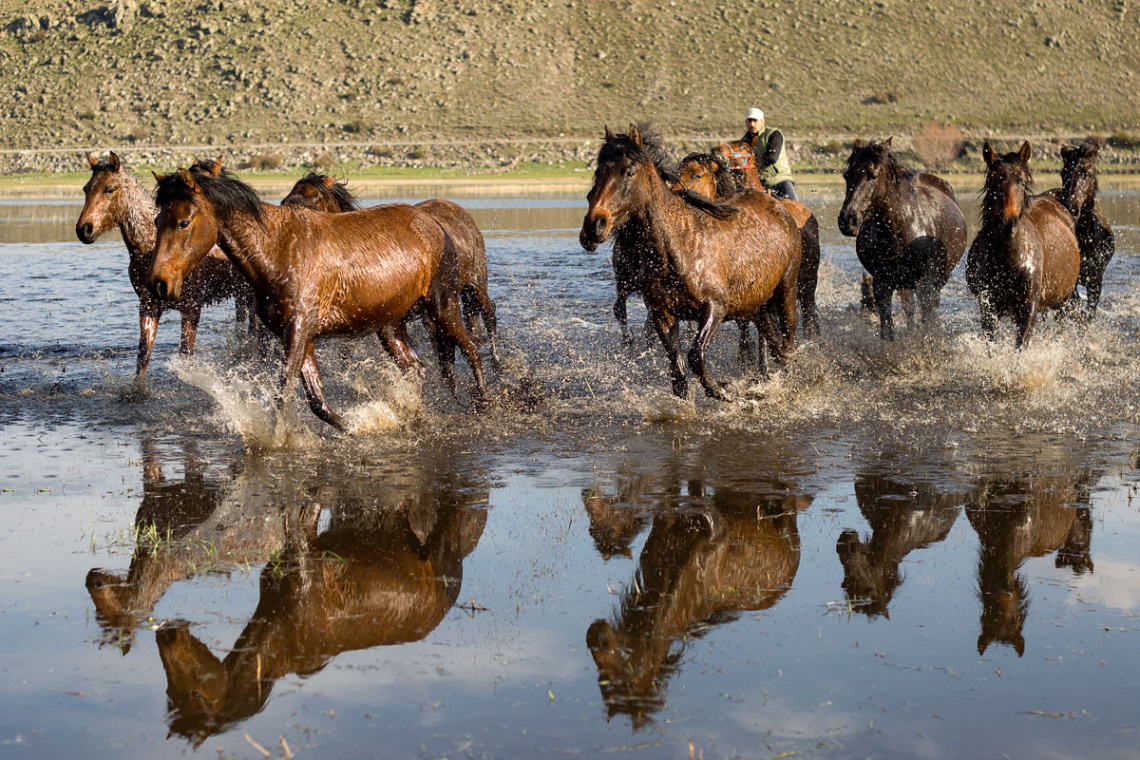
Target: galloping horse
(908, 227)
(1094, 235)
(708, 262)
(324, 193)
(1025, 257)
(710, 175)
(315, 273)
(114, 198)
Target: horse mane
(336, 190)
(896, 170)
(227, 194)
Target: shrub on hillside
(938, 145)
(264, 162)
(1124, 140)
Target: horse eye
(630, 173)
(110, 190)
(184, 224)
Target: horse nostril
(86, 231)
(599, 228)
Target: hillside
(405, 73)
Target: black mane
(878, 152)
(226, 194)
(728, 182)
(337, 191)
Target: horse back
(465, 233)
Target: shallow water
(923, 548)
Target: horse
(908, 227)
(316, 274)
(709, 261)
(1025, 257)
(115, 198)
(711, 175)
(324, 193)
(1094, 235)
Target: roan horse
(711, 175)
(708, 261)
(908, 227)
(324, 193)
(114, 198)
(315, 273)
(1094, 235)
(1025, 257)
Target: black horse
(908, 227)
(1094, 235)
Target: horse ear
(635, 135)
(114, 161)
(859, 144)
(887, 142)
(187, 178)
(92, 160)
(609, 134)
(1025, 153)
(988, 153)
(157, 177)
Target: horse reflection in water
(378, 575)
(904, 517)
(1021, 518)
(184, 527)
(710, 555)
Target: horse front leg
(315, 390)
(148, 329)
(883, 295)
(1026, 318)
(191, 315)
(668, 330)
(711, 317)
(747, 352)
(448, 331)
(622, 316)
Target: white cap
(754, 113)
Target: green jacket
(777, 172)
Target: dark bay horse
(114, 198)
(324, 193)
(1025, 257)
(908, 227)
(1094, 235)
(711, 175)
(315, 273)
(708, 261)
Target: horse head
(104, 205)
(706, 174)
(864, 177)
(626, 166)
(1008, 186)
(1078, 175)
(323, 193)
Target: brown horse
(710, 175)
(377, 576)
(908, 227)
(719, 556)
(324, 193)
(709, 261)
(114, 198)
(1094, 235)
(316, 274)
(1025, 257)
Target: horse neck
(136, 225)
(250, 244)
(891, 205)
(660, 214)
(1081, 203)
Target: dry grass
(938, 145)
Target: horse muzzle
(594, 233)
(848, 224)
(166, 289)
(85, 231)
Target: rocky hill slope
(409, 72)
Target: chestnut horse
(1094, 235)
(708, 261)
(324, 193)
(908, 227)
(1025, 257)
(114, 198)
(710, 175)
(316, 274)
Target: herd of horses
(701, 241)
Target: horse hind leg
(710, 321)
(481, 301)
(394, 339)
(449, 332)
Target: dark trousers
(785, 189)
